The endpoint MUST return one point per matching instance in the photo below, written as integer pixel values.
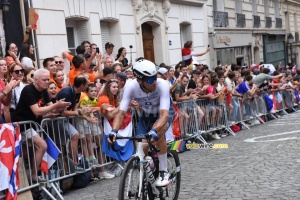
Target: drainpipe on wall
(35, 43)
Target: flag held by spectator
(10, 148)
(50, 155)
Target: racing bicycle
(140, 172)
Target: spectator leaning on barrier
(233, 105)
(33, 104)
(72, 94)
(262, 79)
(88, 125)
(244, 89)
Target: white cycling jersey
(152, 102)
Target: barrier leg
(48, 193)
(57, 192)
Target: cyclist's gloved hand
(153, 135)
(112, 136)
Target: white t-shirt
(27, 62)
(152, 102)
(15, 95)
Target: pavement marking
(272, 135)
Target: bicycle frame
(140, 153)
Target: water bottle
(149, 172)
(151, 163)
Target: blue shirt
(243, 88)
(69, 95)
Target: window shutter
(104, 34)
(82, 31)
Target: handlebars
(138, 138)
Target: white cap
(162, 70)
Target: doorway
(148, 38)
(240, 61)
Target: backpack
(83, 179)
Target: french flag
(50, 156)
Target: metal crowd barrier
(201, 116)
(78, 150)
(83, 149)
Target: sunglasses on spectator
(19, 71)
(151, 79)
(58, 62)
(31, 75)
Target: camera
(97, 50)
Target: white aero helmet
(144, 68)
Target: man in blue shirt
(244, 89)
(72, 94)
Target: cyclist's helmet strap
(144, 68)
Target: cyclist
(152, 95)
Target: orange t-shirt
(92, 77)
(72, 75)
(103, 99)
(9, 61)
(58, 89)
(70, 58)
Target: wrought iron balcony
(240, 20)
(268, 22)
(256, 21)
(278, 22)
(220, 19)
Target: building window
(185, 33)
(104, 34)
(77, 32)
(71, 40)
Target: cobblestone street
(260, 163)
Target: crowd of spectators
(95, 83)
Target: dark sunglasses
(151, 79)
(31, 75)
(18, 71)
(58, 62)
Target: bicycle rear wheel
(171, 192)
(129, 183)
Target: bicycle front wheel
(129, 183)
(172, 191)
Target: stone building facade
(156, 29)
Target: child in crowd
(89, 128)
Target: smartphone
(130, 46)
(97, 50)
